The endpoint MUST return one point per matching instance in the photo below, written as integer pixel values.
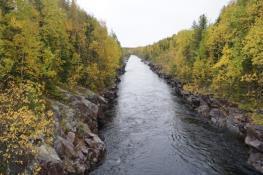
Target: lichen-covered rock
(49, 160)
(77, 148)
(85, 111)
(65, 148)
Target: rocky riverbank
(77, 148)
(222, 114)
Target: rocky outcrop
(77, 148)
(222, 114)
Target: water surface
(154, 133)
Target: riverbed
(153, 132)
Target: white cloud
(141, 22)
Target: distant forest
(224, 58)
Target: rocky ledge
(77, 148)
(222, 114)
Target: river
(154, 133)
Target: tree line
(55, 41)
(224, 59)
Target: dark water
(154, 133)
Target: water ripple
(155, 133)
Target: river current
(153, 132)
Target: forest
(45, 44)
(224, 59)
(49, 49)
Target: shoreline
(78, 117)
(221, 113)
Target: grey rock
(65, 148)
(71, 137)
(236, 121)
(255, 137)
(49, 160)
(203, 110)
(256, 160)
(47, 154)
(185, 94)
(194, 101)
(218, 117)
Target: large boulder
(50, 162)
(237, 121)
(79, 155)
(65, 148)
(91, 96)
(86, 111)
(64, 117)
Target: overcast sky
(142, 22)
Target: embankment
(77, 148)
(223, 114)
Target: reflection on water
(154, 133)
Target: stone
(236, 121)
(256, 160)
(185, 94)
(194, 101)
(203, 110)
(49, 161)
(65, 148)
(255, 137)
(71, 137)
(64, 117)
(214, 103)
(86, 111)
(217, 117)
(77, 148)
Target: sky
(143, 22)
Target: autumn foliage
(44, 44)
(25, 122)
(224, 58)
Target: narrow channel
(154, 133)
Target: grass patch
(257, 118)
